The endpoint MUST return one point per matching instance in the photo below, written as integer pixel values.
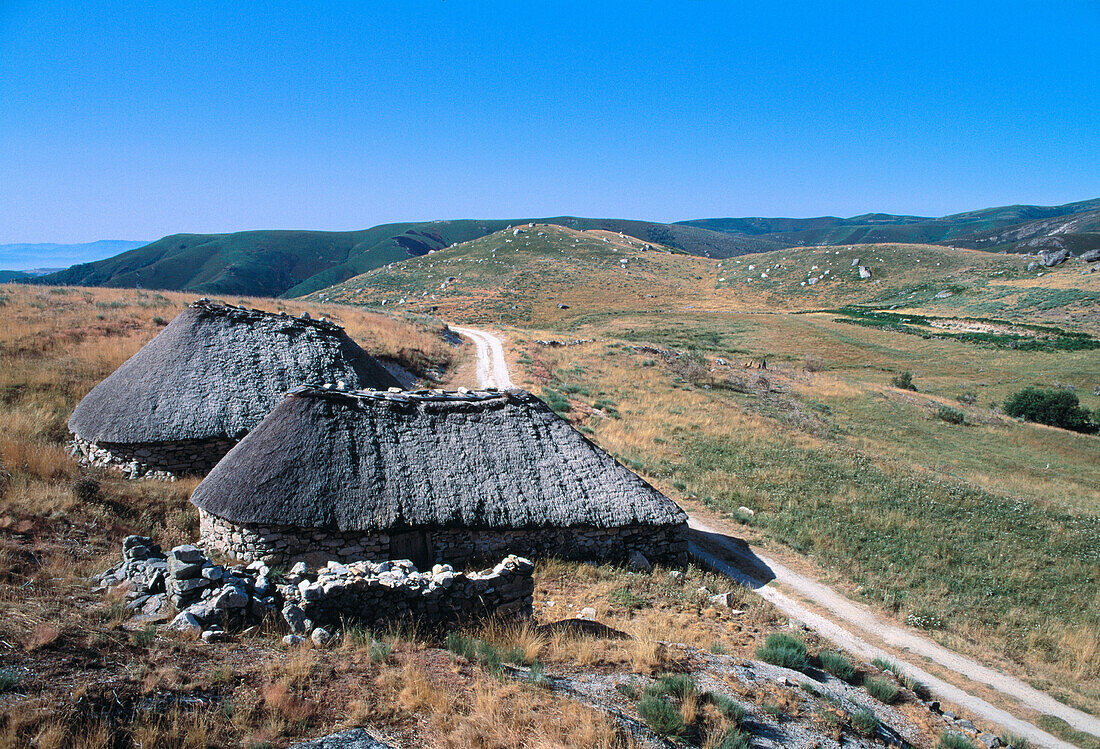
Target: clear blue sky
(135, 120)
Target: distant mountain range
(35, 257)
(295, 263)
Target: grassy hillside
(524, 273)
(523, 278)
(295, 263)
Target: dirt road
(851, 626)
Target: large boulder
(1091, 256)
(1051, 258)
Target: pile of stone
(376, 592)
(212, 599)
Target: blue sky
(135, 120)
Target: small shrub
(836, 664)
(146, 637)
(675, 685)
(159, 321)
(882, 690)
(536, 676)
(969, 398)
(662, 717)
(904, 381)
(735, 738)
(717, 648)
(865, 722)
(884, 664)
(730, 709)
(813, 363)
(627, 689)
(781, 649)
(380, 651)
(1016, 742)
(10, 680)
(87, 489)
(954, 741)
(1056, 408)
(951, 415)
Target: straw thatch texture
(215, 372)
(369, 461)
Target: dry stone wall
(213, 599)
(374, 593)
(161, 460)
(285, 545)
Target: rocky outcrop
(1051, 258)
(1091, 256)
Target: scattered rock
(1091, 256)
(864, 271)
(944, 294)
(293, 640)
(746, 511)
(214, 635)
(989, 740)
(966, 725)
(588, 613)
(1032, 265)
(185, 621)
(637, 561)
(321, 637)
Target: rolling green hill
(1016, 228)
(294, 263)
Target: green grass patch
(662, 716)
(785, 650)
(836, 664)
(865, 722)
(951, 740)
(882, 689)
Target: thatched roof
(374, 460)
(216, 371)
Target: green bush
(1056, 408)
(882, 690)
(730, 709)
(9, 680)
(954, 741)
(836, 664)
(674, 685)
(865, 722)
(781, 649)
(904, 381)
(951, 415)
(735, 738)
(662, 716)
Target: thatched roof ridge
(385, 461)
(216, 371)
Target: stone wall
(284, 545)
(375, 593)
(160, 460)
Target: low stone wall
(160, 460)
(284, 545)
(375, 593)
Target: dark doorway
(412, 545)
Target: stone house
(190, 394)
(429, 476)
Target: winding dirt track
(849, 625)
